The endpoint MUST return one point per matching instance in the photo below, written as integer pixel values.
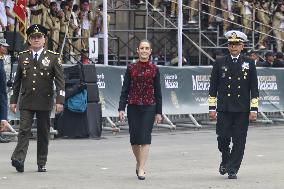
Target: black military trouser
(232, 125)
(43, 126)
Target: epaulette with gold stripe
(52, 52)
(22, 52)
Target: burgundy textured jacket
(141, 86)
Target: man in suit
(3, 92)
(37, 70)
(233, 93)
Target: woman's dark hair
(145, 40)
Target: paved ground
(181, 159)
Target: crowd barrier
(185, 90)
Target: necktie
(35, 57)
(235, 60)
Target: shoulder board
(24, 52)
(52, 52)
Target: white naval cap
(236, 36)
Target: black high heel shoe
(141, 177)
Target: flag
(20, 13)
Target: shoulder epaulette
(52, 52)
(22, 52)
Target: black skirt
(140, 120)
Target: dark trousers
(232, 126)
(43, 126)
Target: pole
(180, 22)
(105, 20)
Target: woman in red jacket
(141, 91)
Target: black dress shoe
(41, 168)
(19, 165)
(222, 169)
(232, 176)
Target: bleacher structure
(131, 23)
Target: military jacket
(233, 86)
(34, 81)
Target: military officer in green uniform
(38, 69)
(233, 93)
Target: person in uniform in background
(193, 11)
(37, 70)
(246, 12)
(212, 12)
(278, 26)
(3, 16)
(3, 91)
(234, 89)
(37, 11)
(9, 6)
(87, 18)
(77, 29)
(141, 90)
(264, 17)
(53, 23)
(269, 59)
(98, 21)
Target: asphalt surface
(179, 159)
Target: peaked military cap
(235, 36)
(36, 29)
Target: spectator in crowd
(278, 61)
(225, 13)
(37, 11)
(193, 11)
(98, 20)
(3, 93)
(212, 13)
(3, 16)
(156, 5)
(53, 23)
(253, 55)
(64, 29)
(246, 13)
(141, 90)
(234, 92)
(269, 60)
(174, 9)
(45, 10)
(278, 25)
(37, 72)
(10, 14)
(77, 29)
(264, 17)
(174, 60)
(87, 18)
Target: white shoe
(210, 27)
(155, 9)
(192, 22)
